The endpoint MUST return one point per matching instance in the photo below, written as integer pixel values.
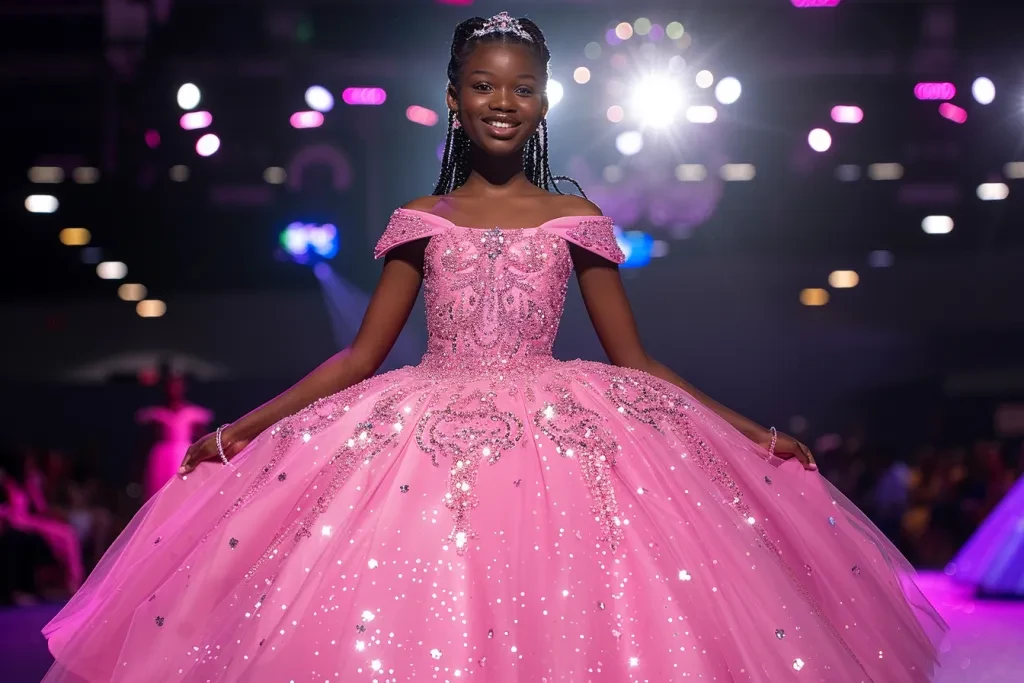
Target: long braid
(455, 167)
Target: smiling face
(500, 98)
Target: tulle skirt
(578, 523)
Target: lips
(501, 128)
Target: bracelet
(771, 448)
(220, 445)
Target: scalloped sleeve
(404, 226)
(595, 234)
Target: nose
(504, 100)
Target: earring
(456, 124)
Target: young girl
(494, 514)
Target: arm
(385, 316)
(612, 317)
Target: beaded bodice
(494, 298)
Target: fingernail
(813, 466)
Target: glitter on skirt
(496, 515)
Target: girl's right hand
(205, 449)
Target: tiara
(503, 23)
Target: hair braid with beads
(455, 161)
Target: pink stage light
(194, 120)
(844, 113)
(934, 91)
(364, 96)
(307, 119)
(421, 115)
(207, 145)
(814, 3)
(152, 139)
(953, 113)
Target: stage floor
(985, 644)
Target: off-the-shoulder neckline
(536, 227)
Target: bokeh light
(937, 225)
(615, 113)
(75, 237)
(111, 270)
(674, 30)
(421, 115)
(319, 98)
(306, 119)
(131, 291)
(207, 145)
(814, 296)
(189, 96)
(195, 120)
(581, 75)
(844, 113)
(843, 279)
(624, 31)
(41, 203)
(993, 192)
(372, 97)
(46, 175)
(728, 90)
(629, 142)
(819, 140)
(704, 79)
(984, 90)
(657, 100)
(151, 308)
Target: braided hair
(455, 161)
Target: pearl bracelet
(220, 445)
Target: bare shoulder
(427, 203)
(573, 205)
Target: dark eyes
(521, 90)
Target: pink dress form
(494, 514)
(177, 431)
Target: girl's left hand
(786, 447)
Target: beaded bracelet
(220, 445)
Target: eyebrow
(484, 72)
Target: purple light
(611, 38)
(656, 33)
(814, 3)
(194, 120)
(421, 115)
(207, 145)
(152, 139)
(843, 113)
(934, 91)
(306, 119)
(953, 113)
(364, 96)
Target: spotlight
(657, 100)
(555, 93)
(309, 242)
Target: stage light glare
(705, 79)
(657, 100)
(556, 91)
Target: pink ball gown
(494, 514)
